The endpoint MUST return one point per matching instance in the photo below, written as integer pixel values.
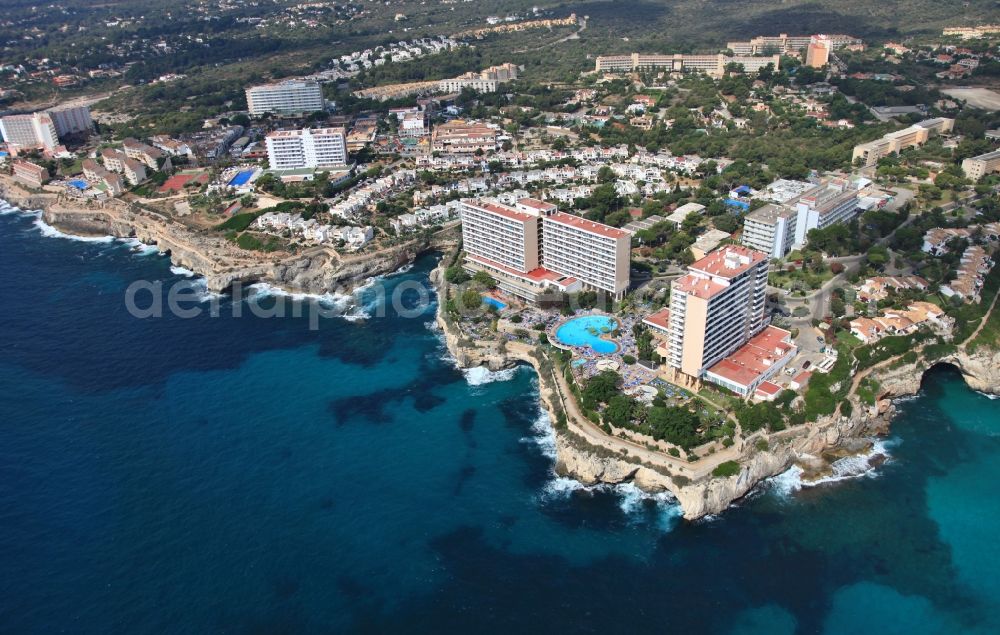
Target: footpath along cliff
(315, 270)
(586, 453)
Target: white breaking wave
(51, 232)
(988, 395)
(200, 285)
(7, 208)
(846, 468)
(333, 300)
(479, 375)
(631, 499)
(543, 435)
(140, 248)
(181, 271)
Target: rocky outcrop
(591, 465)
(319, 270)
(981, 368)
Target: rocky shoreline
(813, 447)
(318, 270)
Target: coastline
(318, 270)
(583, 452)
(590, 456)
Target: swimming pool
(586, 331)
(241, 178)
(78, 184)
(493, 302)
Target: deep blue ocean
(250, 475)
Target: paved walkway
(594, 435)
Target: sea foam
(846, 468)
(51, 232)
(480, 375)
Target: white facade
(291, 149)
(825, 205)
(30, 131)
(770, 229)
(71, 119)
(285, 98)
(716, 308)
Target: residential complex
(971, 32)
(295, 149)
(976, 168)
(784, 43)
(460, 137)
(117, 161)
(531, 248)
(712, 65)
(485, 81)
(868, 154)
(776, 229)
(105, 179)
(152, 157)
(33, 175)
(285, 98)
(831, 202)
(716, 307)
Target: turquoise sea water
(577, 332)
(249, 475)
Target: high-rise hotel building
(294, 149)
(295, 97)
(532, 247)
(716, 308)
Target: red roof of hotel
(803, 378)
(699, 286)
(752, 359)
(768, 388)
(587, 225)
(729, 261)
(660, 319)
(501, 210)
(538, 274)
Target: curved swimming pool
(586, 331)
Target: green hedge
(239, 222)
(728, 468)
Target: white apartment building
(296, 97)
(292, 149)
(976, 168)
(716, 308)
(868, 154)
(594, 253)
(71, 119)
(833, 202)
(30, 131)
(770, 229)
(531, 247)
(713, 65)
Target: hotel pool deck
(241, 178)
(586, 330)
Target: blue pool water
(249, 475)
(78, 184)
(576, 332)
(241, 178)
(493, 302)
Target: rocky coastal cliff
(810, 446)
(316, 270)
